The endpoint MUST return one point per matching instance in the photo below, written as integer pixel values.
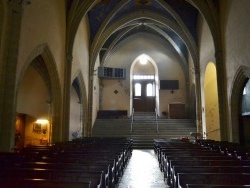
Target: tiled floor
(142, 171)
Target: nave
(113, 163)
(142, 171)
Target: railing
(206, 133)
(132, 120)
(156, 119)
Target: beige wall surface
(207, 52)
(81, 52)
(123, 56)
(95, 92)
(74, 123)
(235, 28)
(43, 22)
(32, 96)
(211, 103)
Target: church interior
(111, 76)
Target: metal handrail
(156, 119)
(206, 133)
(132, 120)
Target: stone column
(90, 107)
(8, 115)
(66, 98)
(222, 96)
(198, 103)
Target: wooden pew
(183, 163)
(178, 153)
(215, 186)
(166, 169)
(213, 178)
(185, 151)
(96, 166)
(206, 169)
(72, 161)
(41, 183)
(69, 175)
(116, 166)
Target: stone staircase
(144, 129)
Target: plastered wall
(74, 124)
(206, 50)
(33, 96)
(39, 27)
(123, 56)
(211, 103)
(236, 41)
(32, 103)
(80, 66)
(81, 52)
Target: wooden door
(144, 96)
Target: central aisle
(142, 171)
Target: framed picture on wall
(37, 127)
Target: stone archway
(239, 82)
(49, 73)
(156, 74)
(33, 108)
(79, 90)
(212, 127)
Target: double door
(144, 95)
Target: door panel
(143, 103)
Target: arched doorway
(244, 120)
(33, 120)
(144, 85)
(212, 127)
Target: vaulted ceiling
(176, 12)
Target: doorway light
(143, 59)
(244, 91)
(42, 121)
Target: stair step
(144, 130)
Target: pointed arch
(211, 128)
(156, 19)
(82, 94)
(209, 12)
(50, 75)
(239, 82)
(156, 81)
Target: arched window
(137, 90)
(149, 90)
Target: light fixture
(42, 121)
(143, 59)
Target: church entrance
(144, 93)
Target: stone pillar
(66, 98)
(8, 115)
(90, 107)
(198, 104)
(222, 96)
